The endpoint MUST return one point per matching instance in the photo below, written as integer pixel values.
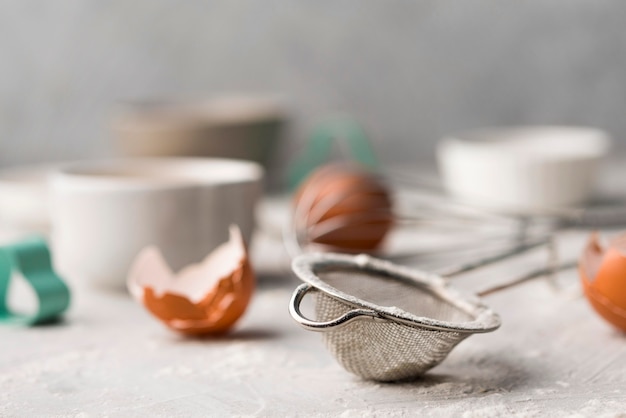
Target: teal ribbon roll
(32, 258)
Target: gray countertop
(552, 357)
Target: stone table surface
(552, 357)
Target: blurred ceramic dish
(245, 128)
(24, 206)
(105, 212)
(523, 168)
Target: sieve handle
(294, 310)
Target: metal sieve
(383, 321)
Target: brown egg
(603, 275)
(205, 298)
(343, 208)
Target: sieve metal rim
(305, 267)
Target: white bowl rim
(156, 173)
(592, 142)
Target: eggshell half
(603, 276)
(204, 298)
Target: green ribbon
(32, 258)
(346, 133)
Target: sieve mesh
(381, 291)
(383, 351)
(386, 350)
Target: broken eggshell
(204, 298)
(603, 274)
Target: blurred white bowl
(105, 212)
(523, 168)
(24, 206)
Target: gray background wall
(411, 70)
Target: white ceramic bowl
(523, 168)
(24, 199)
(105, 212)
